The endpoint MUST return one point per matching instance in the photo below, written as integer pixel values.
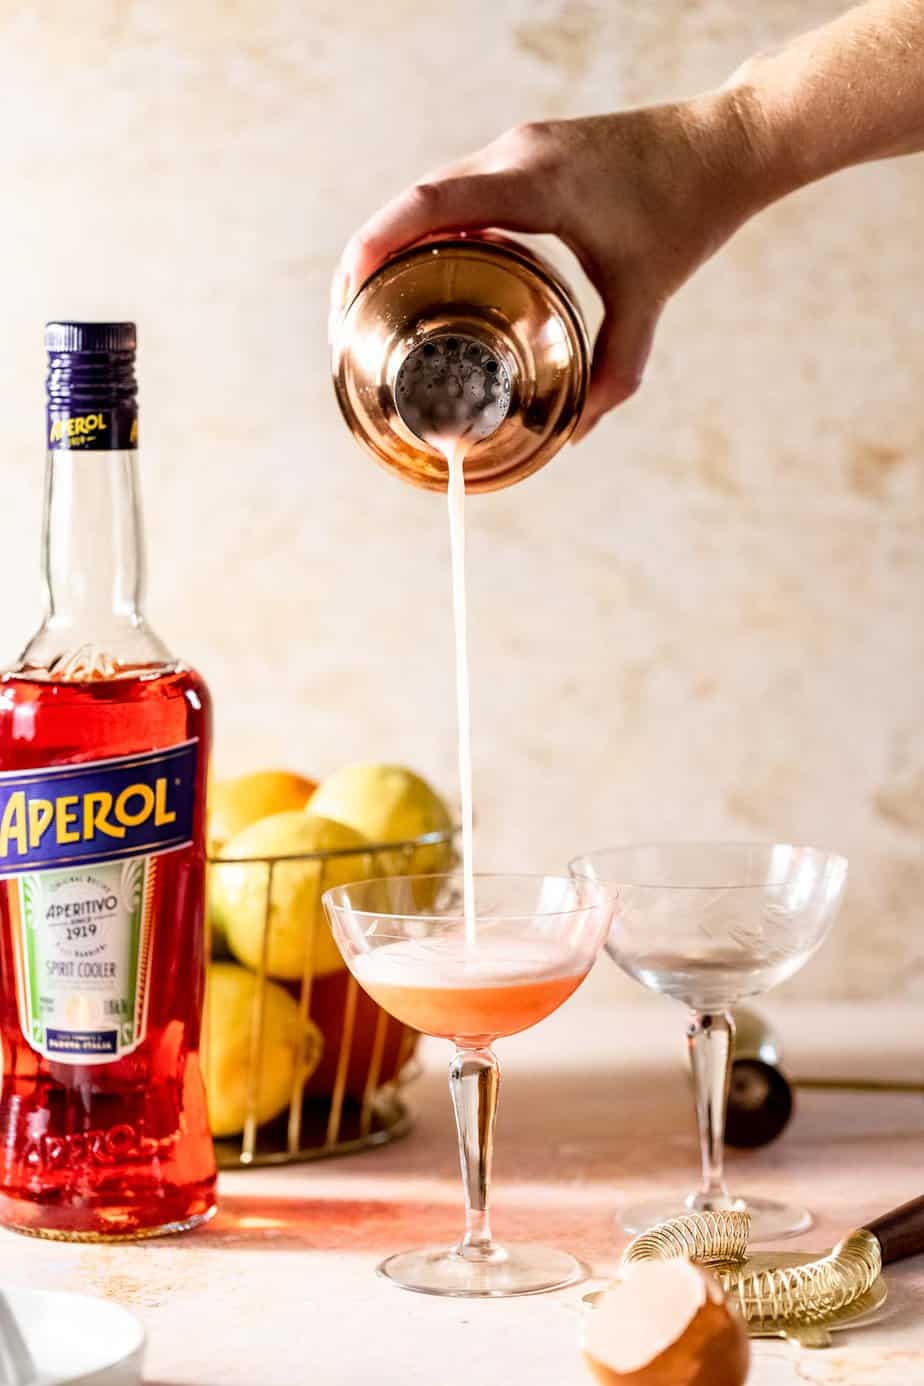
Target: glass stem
(710, 1039)
(474, 1079)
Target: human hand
(641, 197)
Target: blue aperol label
(98, 811)
(103, 428)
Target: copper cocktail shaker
(471, 336)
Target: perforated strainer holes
(452, 386)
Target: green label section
(84, 963)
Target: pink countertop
(280, 1289)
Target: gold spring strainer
(790, 1294)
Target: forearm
(849, 92)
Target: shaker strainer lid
(452, 386)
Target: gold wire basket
(354, 1098)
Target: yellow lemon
(287, 1043)
(236, 803)
(388, 803)
(244, 905)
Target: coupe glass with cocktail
(472, 980)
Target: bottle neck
(94, 570)
(93, 541)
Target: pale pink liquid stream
(474, 987)
(454, 450)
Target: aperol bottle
(104, 748)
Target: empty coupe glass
(712, 924)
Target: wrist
(746, 165)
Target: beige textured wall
(708, 620)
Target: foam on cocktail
(498, 958)
(471, 993)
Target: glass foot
(514, 1270)
(769, 1220)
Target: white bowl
(78, 1341)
